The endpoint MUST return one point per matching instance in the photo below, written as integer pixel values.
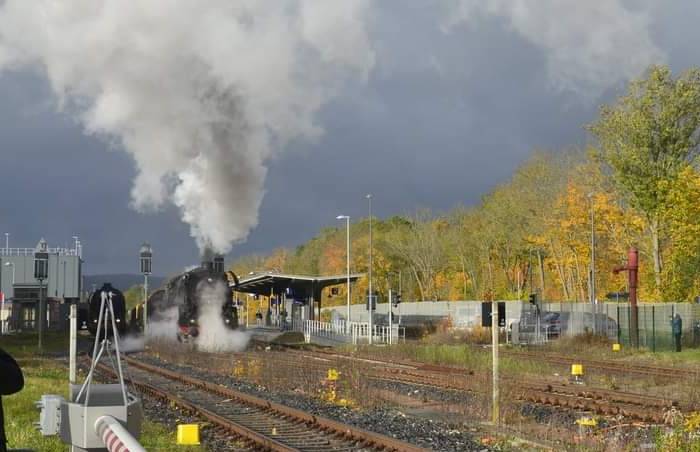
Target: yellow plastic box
(188, 435)
(616, 347)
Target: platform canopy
(297, 286)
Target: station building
(21, 289)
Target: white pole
(7, 242)
(494, 343)
(593, 303)
(390, 316)
(371, 295)
(73, 343)
(347, 219)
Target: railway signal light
(486, 314)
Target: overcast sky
(458, 95)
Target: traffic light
(533, 298)
(396, 300)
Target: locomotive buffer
(107, 408)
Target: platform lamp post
(146, 258)
(347, 253)
(41, 272)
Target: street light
(347, 222)
(146, 258)
(593, 298)
(371, 295)
(41, 272)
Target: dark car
(549, 323)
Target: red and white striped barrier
(115, 437)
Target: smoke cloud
(588, 45)
(214, 335)
(200, 93)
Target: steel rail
(642, 407)
(239, 430)
(363, 438)
(612, 365)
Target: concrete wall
(654, 318)
(462, 313)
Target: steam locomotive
(118, 306)
(185, 296)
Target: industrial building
(21, 290)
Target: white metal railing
(354, 332)
(31, 251)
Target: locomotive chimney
(208, 259)
(218, 263)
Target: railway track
(637, 407)
(610, 366)
(633, 406)
(260, 424)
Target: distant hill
(122, 281)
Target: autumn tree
(421, 247)
(647, 138)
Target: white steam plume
(200, 93)
(588, 45)
(214, 335)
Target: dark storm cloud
(444, 117)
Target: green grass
(472, 358)
(47, 376)
(25, 344)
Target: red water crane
(632, 268)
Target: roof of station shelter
(269, 282)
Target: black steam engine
(118, 304)
(183, 297)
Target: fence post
(619, 329)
